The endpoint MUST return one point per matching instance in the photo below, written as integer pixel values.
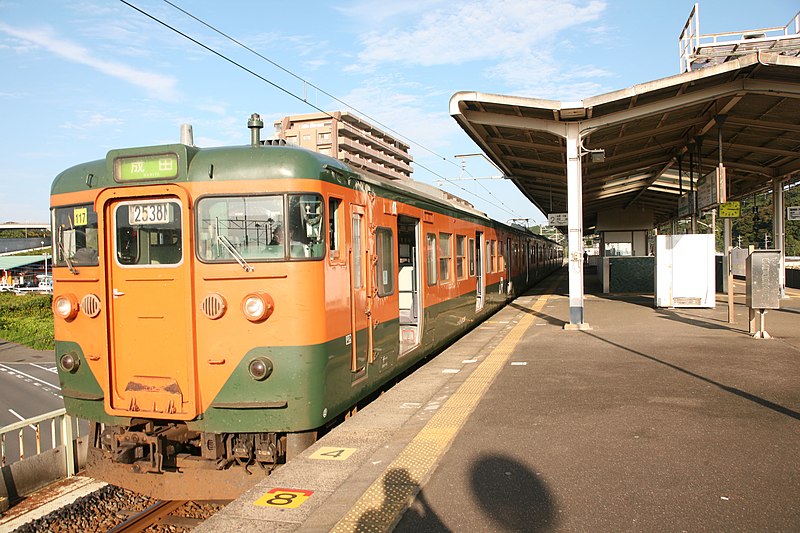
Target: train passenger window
(334, 227)
(461, 253)
(306, 236)
(430, 257)
(148, 232)
(471, 257)
(251, 227)
(385, 252)
(75, 235)
(445, 257)
(488, 256)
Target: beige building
(350, 139)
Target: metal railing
(691, 40)
(63, 431)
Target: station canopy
(647, 133)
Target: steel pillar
(575, 227)
(778, 228)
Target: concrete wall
(25, 477)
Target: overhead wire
(222, 56)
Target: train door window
(445, 257)
(385, 252)
(430, 257)
(304, 218)
(75, 235)
(461, 253)
(488, 258)
(148, 232)
(357, 251)
(235, 228)
(471, 257)
(335, 227)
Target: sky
(80, 78)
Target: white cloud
(462, 32)
(156, 85)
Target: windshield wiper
(235, 253)
(70, 266)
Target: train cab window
(430, 257)
(250, 227)
(445, 257)
(306, 235)
(471, 257)
(75, 235)
(148, 232)
(461, 253)
(260, 228)
(385, 252)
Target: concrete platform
(652, 420)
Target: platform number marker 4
(332, 454)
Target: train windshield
(75, 235)
(257, 228)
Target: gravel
(107, 508)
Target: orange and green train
(217, 308)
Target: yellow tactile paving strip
(383, 503)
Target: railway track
(144, 519)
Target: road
(28, 387)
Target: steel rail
(144, 519)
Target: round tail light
(70, 362)
(260, 368)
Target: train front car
(193, 327)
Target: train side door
(480, 281)
(507, 258)
(408, 284)
(359, 297)
(149, 281)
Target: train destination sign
(730, 210)
(146, 167)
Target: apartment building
(351, 139)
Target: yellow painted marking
(332, 453)
(389, 495)
(285, 498)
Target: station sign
(730, 210)
(686, 204)
(793, 213)
(558, 219)
(708, 192)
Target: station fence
(39, 464)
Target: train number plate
(155, 213)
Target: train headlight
(70, 362)
(257, 306)
(66, 306)
(260, 368)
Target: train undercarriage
(168, 461)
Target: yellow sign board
(286, 498)
(730, 210)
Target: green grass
(27, 319)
